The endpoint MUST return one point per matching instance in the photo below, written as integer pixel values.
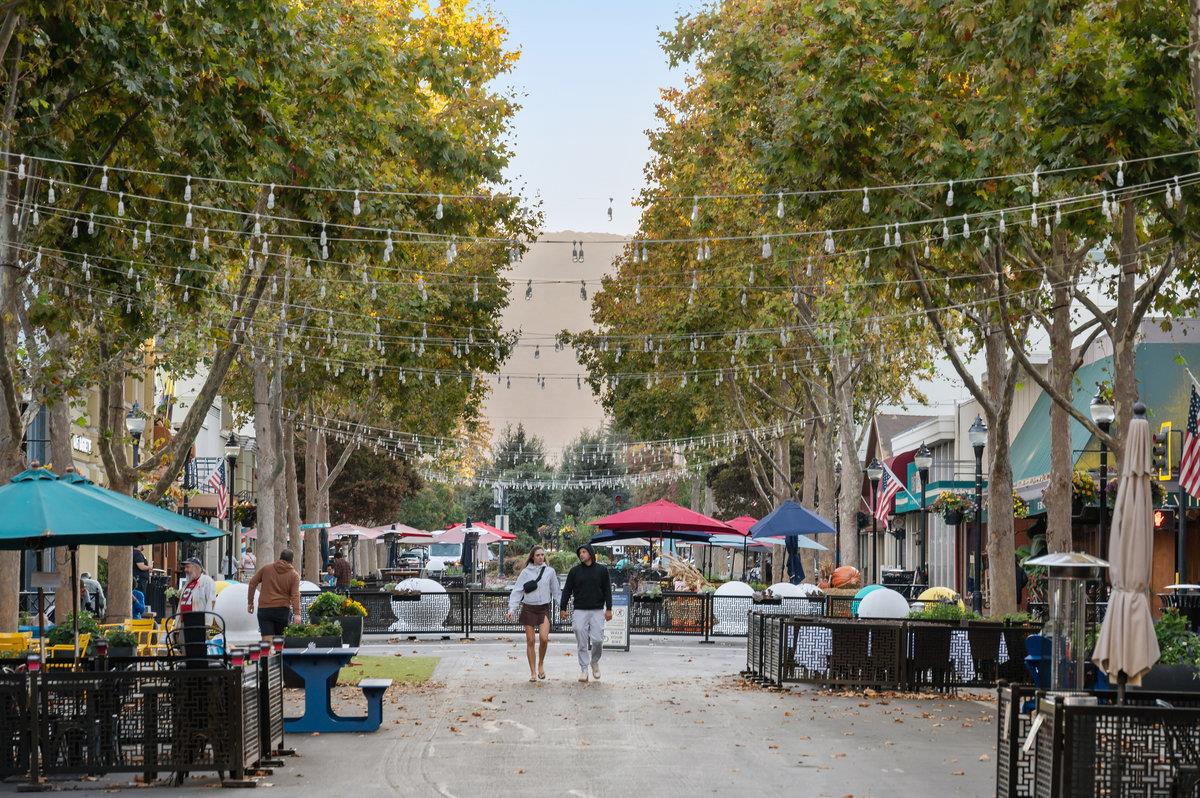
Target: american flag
(889, 486)
(1189, 459)
(216, 481)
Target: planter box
(1171, 679)
(120, 651)
(648, 599)
(774, 602)
(406, 596)
(316, 642)
(352, 628)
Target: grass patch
(401, 670)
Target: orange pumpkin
(845, 576)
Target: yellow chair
(15, 642)
(68, 649)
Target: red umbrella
(742, 524)
(662, 516)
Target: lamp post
(977, 435)
(232, 449)
(135, 422)
(874, 473)
(1103, 414)
(924, 461)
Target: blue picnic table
(319, 667)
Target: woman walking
(537, 587)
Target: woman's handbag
(532, 584)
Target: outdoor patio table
(319, 667)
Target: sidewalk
(669, 718)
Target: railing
(1147, 746)
(139, 715)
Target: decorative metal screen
(846, 652)
(1014, 768)
(14, 724)
(672, 613)
(142, 721)
(1129, 750)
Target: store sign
(81, 444)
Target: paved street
(669, 718)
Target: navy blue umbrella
(794, 568)
(790, 518)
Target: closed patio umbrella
(788, 520)
(39, 509)
(1127, 646)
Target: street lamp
(924, 461)
(232, 450)
(1103, 414)
(135, 422)
(874, 473)
(977, 435)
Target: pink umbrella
(662, 516)
(487, 534)
(742, 524)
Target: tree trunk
(781, 490)
(293, 498)
(119, 590)
(264, 472)
(61, 459)
(312, 513)
(1194, 56)
(1000, 535)
(851, 487)
(323, 477)
(1126, 328)
(826, 495)
(1058, 491)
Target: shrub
(323, 629)
(1178, 644)
(63, 633)
(1015, 617)
(937, 611)
(120, 638)
(332, 605)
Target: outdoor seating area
(918, 655)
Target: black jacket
(590, 587)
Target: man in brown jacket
(280, 599)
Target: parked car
(443, 556)
(413, 558)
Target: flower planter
(352, 628)
(952, 517)
(120, 651)
(648, 599)
(1170, 679)
(332, 641)
(397, 596)
(771, 601)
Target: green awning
(1163, 387)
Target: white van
(442, 556)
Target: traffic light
(1160, 453)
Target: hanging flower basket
(954, 507)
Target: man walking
(589, 585)
(280, 599)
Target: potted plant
(172, 596)
(1178, 668)
(327, 634)
(954, 507)
(121, 642)
(653, 594)
(347, 613)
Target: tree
(518, 460)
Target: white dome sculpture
(241, 627)
(731, 602)
(883, 603)
(428, 615)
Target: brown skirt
(534, 614)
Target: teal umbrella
(39, 509)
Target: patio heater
(1068, 574)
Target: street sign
(616, 631)
(317, 525)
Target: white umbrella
(1127, 647)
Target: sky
(588, 79)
